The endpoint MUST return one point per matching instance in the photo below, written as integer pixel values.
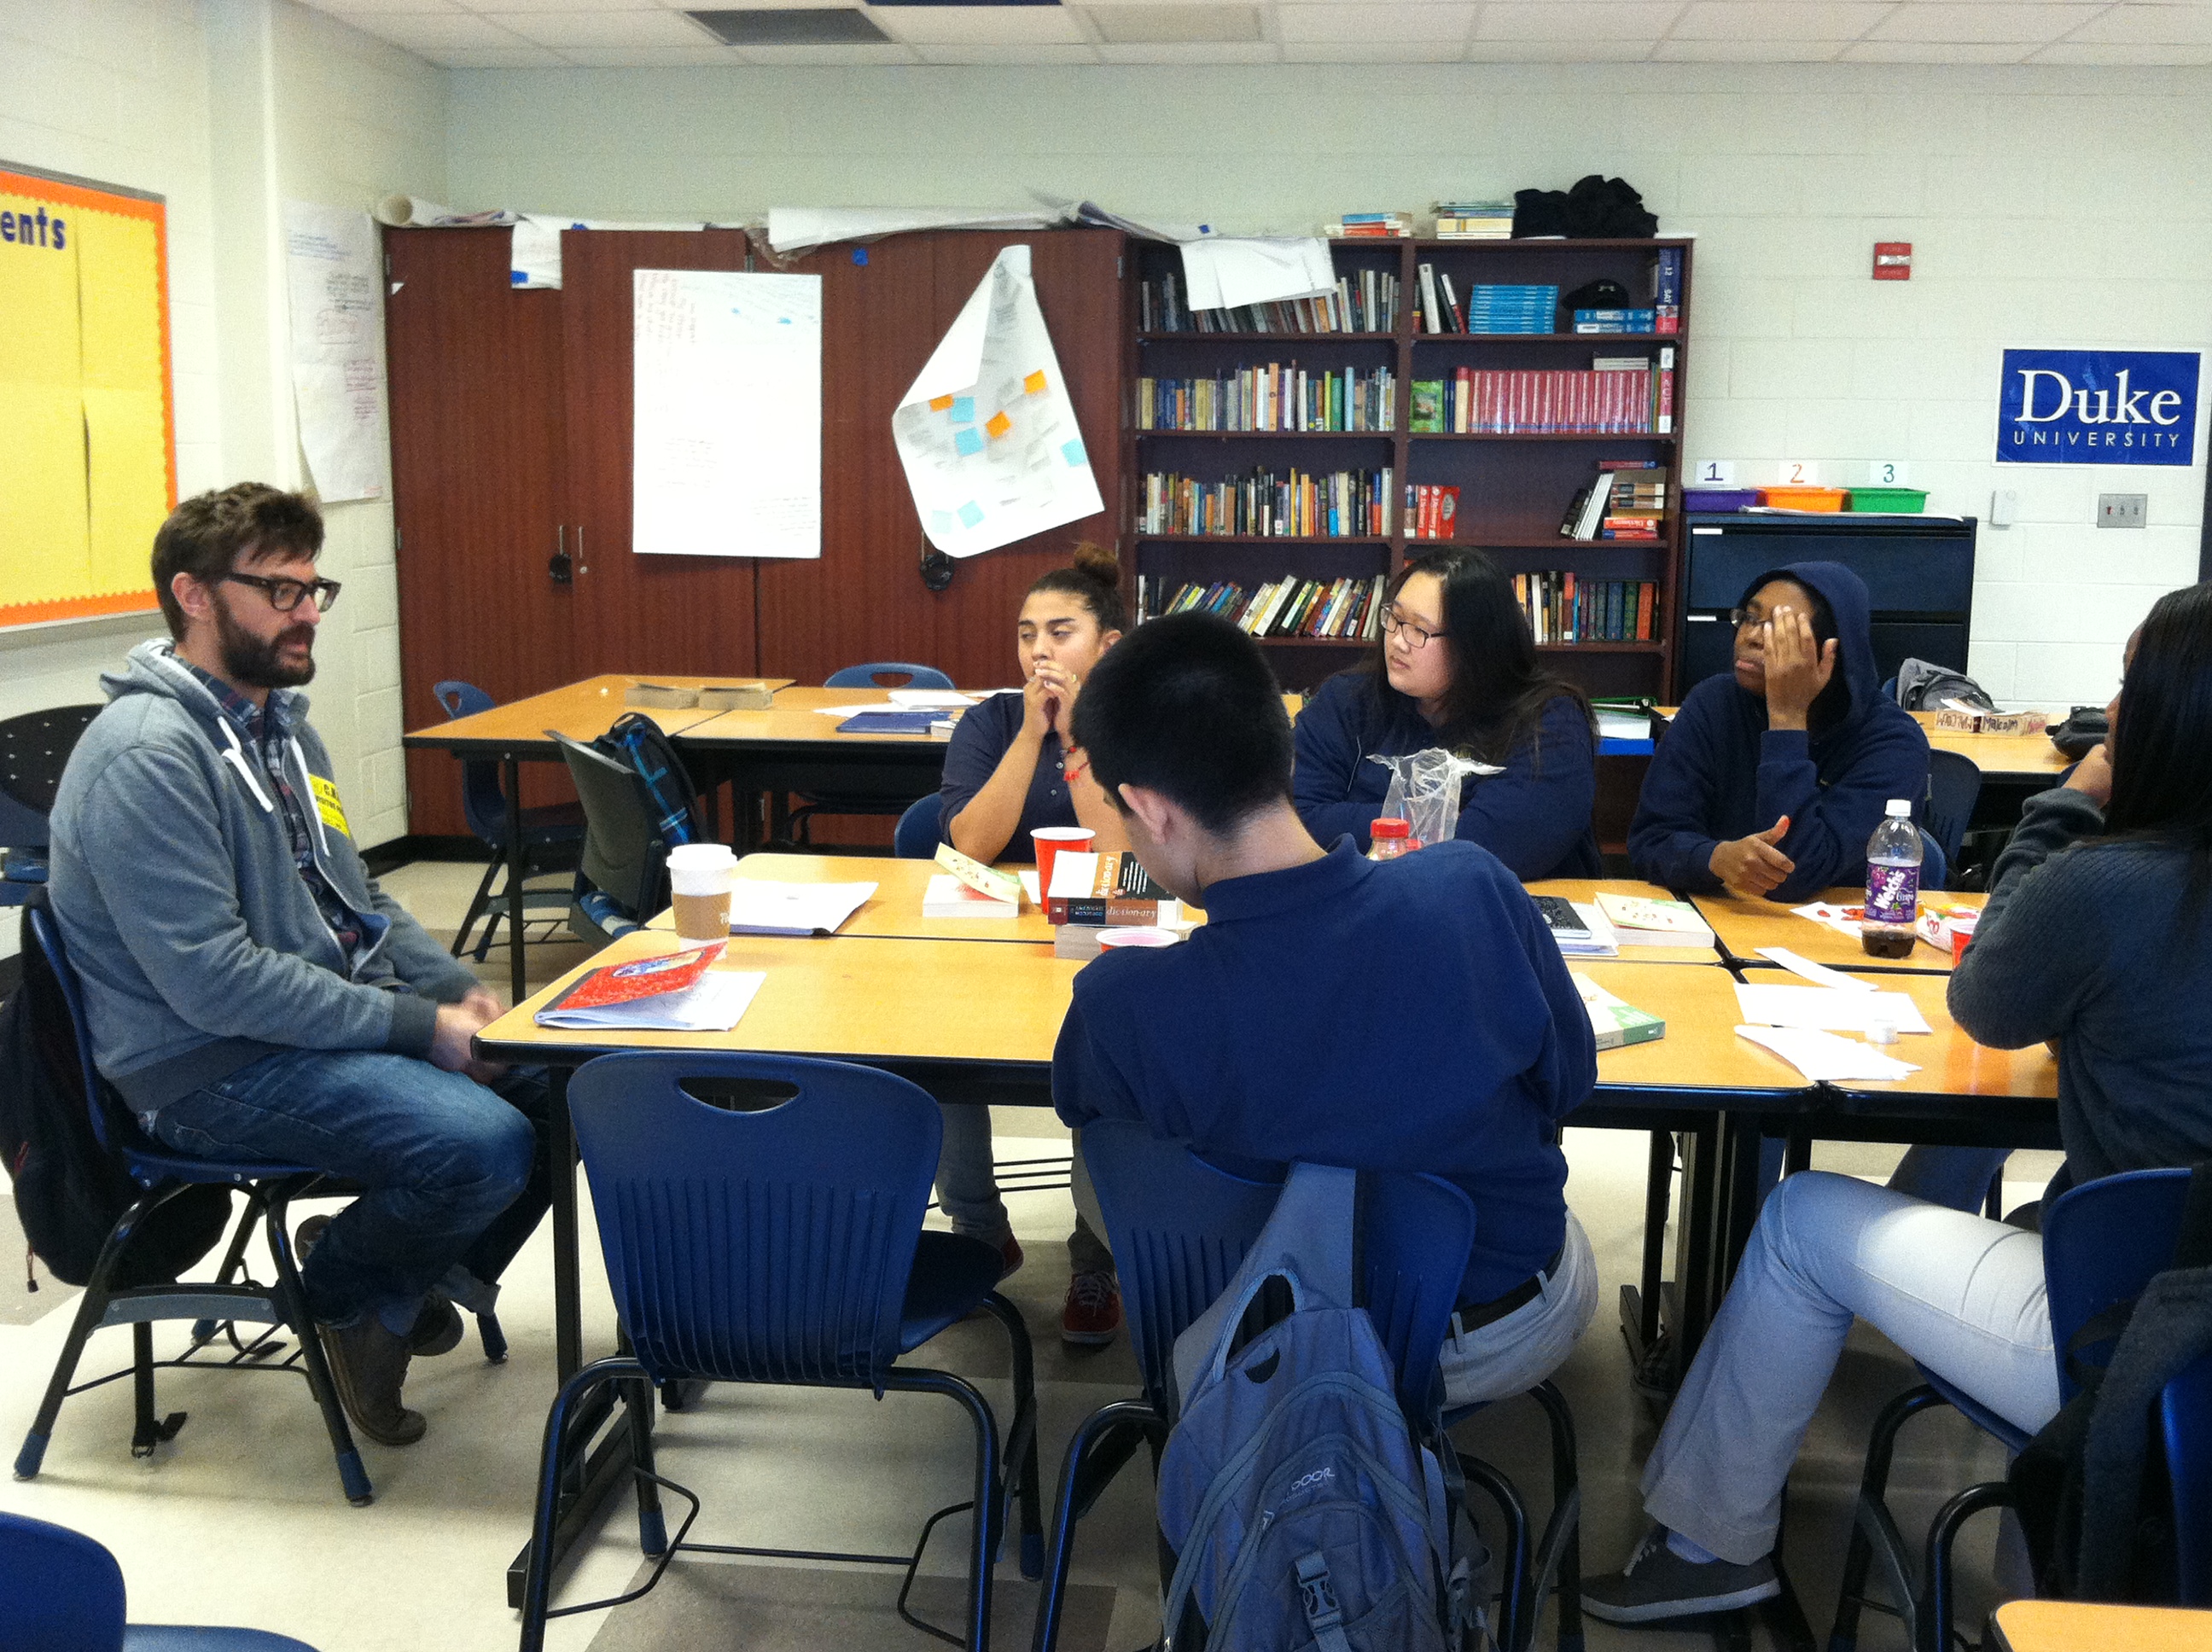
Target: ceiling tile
(1703, 51)
(977, 25)
(890, 52)
(491, 6)
(1482, 51)
(653, 56)
(1154, 25)
(2146, 26)
(2098, 54)
(1047, 56)
(1191, 51)
(1569, 21)
(1374, 51)
(603, 28)
(358, 7)
(1951, 22)
(1375, 24)
(517, 57)
(1761, 19)
(1935, 51)
(425, 33)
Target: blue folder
(888, 722)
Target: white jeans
(1960, 1293)
(1512, 1355)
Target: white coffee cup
(699, 885)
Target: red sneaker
(1092, 1313)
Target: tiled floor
(239, 1519)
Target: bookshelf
(1515, 484)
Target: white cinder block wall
(2046, 207)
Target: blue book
(888, 722)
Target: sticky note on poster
(1000, 425)
(1034, 385)
(971, 515)
(967, 441)
(963, 410)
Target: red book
(625, 983)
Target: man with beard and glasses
(253, 996)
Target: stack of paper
(760, 907)
(1829, 1008)
(1822, 1055)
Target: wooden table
(1586, 889)
(2081, 1625)
(1744, 925)
(515, 733)
(2000, 757)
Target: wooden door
(642, 614)
(476, 462)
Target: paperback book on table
(1642, 921)
(1616, 1023)
(678, 991)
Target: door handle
(560, 565)
(582, 566)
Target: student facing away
(1320, 1014)
(1455, 667)
(1774, 776)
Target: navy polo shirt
(1411, 1015)
(983, 735)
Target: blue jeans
(452, 1173)
(968, 1190)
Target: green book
(1428, 406)
(1616, 1023)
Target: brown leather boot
(369, 1365)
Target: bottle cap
(1899, 806)
(1390, 826)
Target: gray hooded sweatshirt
(199, 944)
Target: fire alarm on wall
(1892, 260)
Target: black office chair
(33, 750)
(623, 879)
(552, 834)
(859, 801)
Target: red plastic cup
(1050, 840)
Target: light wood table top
(863, 999)
(2012, 755)
(1950, 1062)
(582, 711)
(1587, 890)
(1745, 925)
(1700, 1050)
(2077, 1626)
(798, 718)
(894, 911)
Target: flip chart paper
(727, 446)
(1006, 459)
(1227, 272)
(335, 274)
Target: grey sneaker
(1658, 1583)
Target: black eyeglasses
(1417, 636)
(1741, 617)
(284, 594)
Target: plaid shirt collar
(256, 723)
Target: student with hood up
(1773, 778)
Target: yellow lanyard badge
(327, 804)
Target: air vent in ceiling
(1175, 25)
(789, 26)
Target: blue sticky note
(971, 515)
(963, 410)
(1072, 451)
(939, 521)
(859, 255)
(967, 441)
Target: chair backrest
(47, 935)
(1178, 1228)
(918, 832)
(2102, 1243)
(1954, 782)
(868, 677)
(34, 748)
(483, 803)
(624, 855)
(1935, 864)
(64, 1591)
(773, 1245)
(2186, 1411)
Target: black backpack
(70, 1190)
(2091, 1490)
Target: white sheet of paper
(795, 228)
(1229, 270)
(1820, 1055)
(930, 699)
(851, 711)
(334, 272)
(1819, 974)
(1031, 892)
(759, 906)
(727, 446)
(986, 431)
(1827, 1008)
(1821, 912)
(534, 257)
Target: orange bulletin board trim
(84, 196)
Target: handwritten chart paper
(727, 460)
(987, 433)
(336, 276)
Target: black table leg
(510, 773)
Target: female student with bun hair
(1455, 666)
(1010, 769)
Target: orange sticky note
(999, 424)
(939, 404)
(1034, 385)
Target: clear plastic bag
(1424, 790)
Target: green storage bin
(1911, 500)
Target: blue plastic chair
(780, 1244)
(162, 1175)
(552, 835)
(836, 802)
(871, 676)
(2185, 1415)
(2102, 1243)
(1954, 786)
(921, 829)
(65, 1594)
(35, 748)
(1179, 1228)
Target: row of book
(1489, 309)
(1627, 501)
(1605, 321)
(1277, 397)
(1667, 289)
(1431, 510)
(1365, 301)
(1617, 395)
(1475, 220)
(1369, 226)
(1564, 608)
(1346, 608)
(1341, 505)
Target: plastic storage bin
(1719, 498)
(1908, 501)
(1803, 499)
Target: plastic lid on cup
(1391, 826)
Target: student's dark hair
(205, 535)
(2162, 745)
(1830, 706)
(1498, 690)
(1096, 577)
(1186, 706)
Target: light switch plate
(2123, 510)
(2004, 507)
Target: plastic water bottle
(1892, 894)
(1390, 837)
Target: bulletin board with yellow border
(87, 423)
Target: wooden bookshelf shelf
(1263, 539)
(1269, 337)
(1270, 436)
(1314, 642)
(1539, 435)
(1543, 338)
(1600, 647)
